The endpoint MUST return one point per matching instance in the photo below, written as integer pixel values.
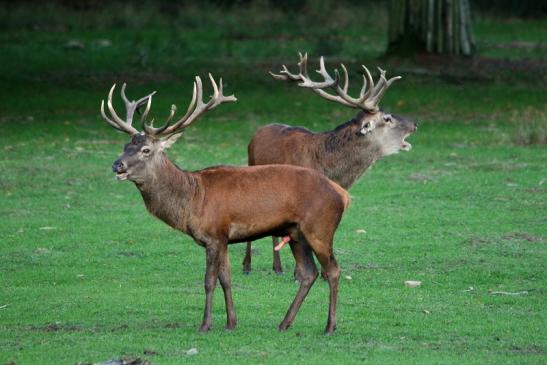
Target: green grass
(87, 275)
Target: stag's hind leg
(276, 263)
(331, 272)
(306, 271)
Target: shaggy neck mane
(349, 153)
(168, 193)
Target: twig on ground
(524, 292)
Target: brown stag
(342, 154)
(218, 206)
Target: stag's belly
(243, 232)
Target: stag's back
(282, 144)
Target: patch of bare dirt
(522, 236)
(462, 69)
(55, 327)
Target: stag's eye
(145, 150)
(367, 125)
(387, 118)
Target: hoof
(246, 272)
(283, 326)
(279, 272)
(204, 328)
(230, 327)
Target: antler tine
(124, 97)
(131, 106)
(363, 93)
(222, 97)
(381, 87)
(116, 121)
(278, 77)
(328, 81)
(106, 118)
(392, 80)
(148, 128)
(294, 77)
(303, 64)
(192, 102)
(146, 111)
(367, 80)
(285, 75)
(346, 78)
(381, 83)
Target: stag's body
(342, 154)
(222, 205)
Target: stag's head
(144, 153)
(374, 126)
(386, 132)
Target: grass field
(87, 275)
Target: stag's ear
(367, 126)
(169, 140)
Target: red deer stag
(218, 206)
(343, 154)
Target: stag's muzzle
(120, 168)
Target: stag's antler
(130, 106)
(369, 97)
(196, 108)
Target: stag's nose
(118, 166)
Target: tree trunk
(432, 26)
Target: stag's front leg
(225, 280)
(211, 276)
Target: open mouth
(405, 146)
(122, 176)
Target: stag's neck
(349, 153)
(170, 193)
